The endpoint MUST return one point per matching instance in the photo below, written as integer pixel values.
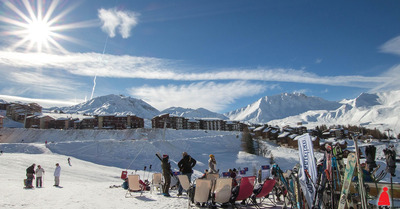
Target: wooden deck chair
(156, 182)
(202, 191)
(223, 190)
(184, 181)
(134, 185)
(246, 188)
(267, 188)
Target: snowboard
(351, 163)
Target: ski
(351, 162)
(362, 192)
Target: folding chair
(184, 181)
(156, 182)
(265, 190)
(202, 191)
(223, 190)
(213, 177)
(246, 188)
(134, 185)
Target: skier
(211, 164)
(69, 161)
(186, 165)
(390, 154)
(166, 168)
(370, 152)
(30, 171)
(39, 173)
(57, 173)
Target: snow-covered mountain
(280, 106)
(194, 113)
(113, 104)
(380, 110)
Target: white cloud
(392, 46)
(391, 77)
(113, 19)
(209, 95)
(318, 61)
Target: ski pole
(144, 175)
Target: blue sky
(220, 55)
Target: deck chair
(156, 182)
(223, 190)
(134, 185)
(184, 181)
(265, 190)
(202, 191)
(213, 177)
(246, 188)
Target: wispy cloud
(91, 64)
(113, 19)
(209, 95)
(392, 77)
(392, 46)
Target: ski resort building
(176, 122)
(18, 111)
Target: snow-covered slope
(380, 110)
(194, 113)
(113, 104)
(280, 106)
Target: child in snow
(57, 173)
(39, 173)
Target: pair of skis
(353, 160)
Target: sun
(39, 32)
(37, 26)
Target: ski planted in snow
(351, 163)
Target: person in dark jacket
(186, 165)
(30, 171)
(166, 168)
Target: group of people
(185, 165)
(39, 172)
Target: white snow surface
(113, 104)
(194, 113)
(98, 157)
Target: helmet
(211, 155)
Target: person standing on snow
(186, 165)
(30, 171)
(69, 161)
(212, 164)
(39, 173)
(166, 168)
(57, 173)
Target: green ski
(351, 163)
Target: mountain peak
(114, 104)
